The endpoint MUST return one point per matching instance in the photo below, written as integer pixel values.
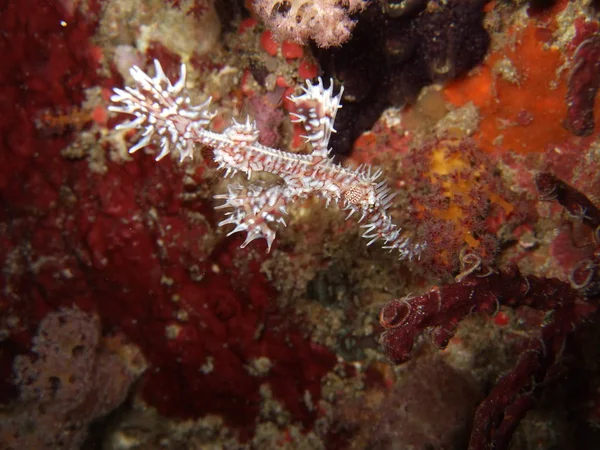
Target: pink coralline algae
(584, 82)
(70, 380)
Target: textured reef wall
(130, 320)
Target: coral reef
(482, 115)
(481, 289)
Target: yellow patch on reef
(451, 170)
(495, 198)
(444, 164)
(458, 178)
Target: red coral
(439, 311)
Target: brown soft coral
(326, 22)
